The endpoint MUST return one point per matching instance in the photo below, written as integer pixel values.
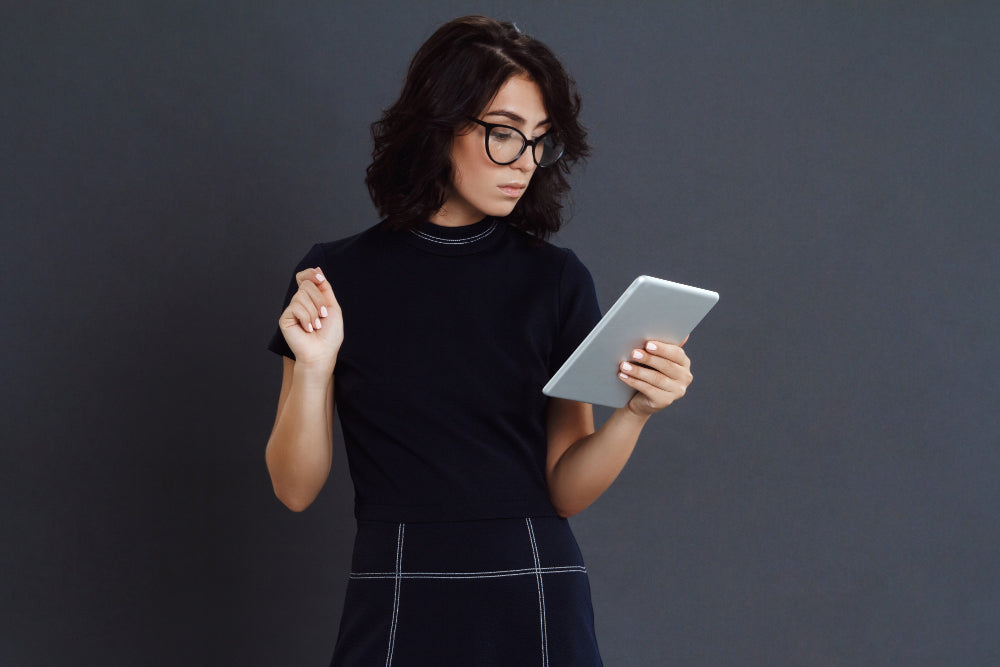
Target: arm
(581, 462)
(300, 449)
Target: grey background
(825, 495)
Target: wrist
(314, 371)
(629, 414)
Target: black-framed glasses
(505, 144)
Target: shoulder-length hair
(453, 77)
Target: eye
(501, 134)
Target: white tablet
(650, 309)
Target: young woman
(433, 333)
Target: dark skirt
(492, 592)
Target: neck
(456, 216)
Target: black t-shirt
(449, 336)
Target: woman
(433, 333)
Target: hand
(312, 324)
(663, 376)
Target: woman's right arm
(300, 449)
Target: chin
(501, 210)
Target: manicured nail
(623, 376)
(320, 278)
(309, 327)
(322, 311)
(651, 347)
(626, 366)
(637, 355)
(319, 325)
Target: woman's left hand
(660, 374)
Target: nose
(525, 162)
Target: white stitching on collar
(443, 241)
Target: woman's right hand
(312, 324)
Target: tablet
(650, 309)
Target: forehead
(518, 98)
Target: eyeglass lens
(505, 145)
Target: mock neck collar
(463, 240)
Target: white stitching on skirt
(395, 601)
(541, 594)
(487, 574)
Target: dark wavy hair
(452, 77)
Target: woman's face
(481, 187)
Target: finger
(314, 315)
(672, 374)
(298, 313)
(656, 397)
(313, 275)
(667, 351)
(648, 375)
(316, 296)
(677, 370)
(319, 287)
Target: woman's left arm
(581, 462)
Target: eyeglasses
(505, 144)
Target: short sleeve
(312, 259)
(578, 309)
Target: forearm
(588, 467)
(300, 448)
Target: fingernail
(623, 376)
(651, 347)
(637, 355)
(309, 327)
(322, 311)
(320, 278)
(319, 325)
(626, 366)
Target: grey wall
(825, 495)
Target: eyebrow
(510, 115)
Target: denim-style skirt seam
(487, 592)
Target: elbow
(562, 507)
(296, 507)
(296, 502)
(566, 513)
(566, 510)
(293, 496)
(563, 501)
(290, 490)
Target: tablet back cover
(650, 309)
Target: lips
(512, 189)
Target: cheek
(468, 166)
(462, 164)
